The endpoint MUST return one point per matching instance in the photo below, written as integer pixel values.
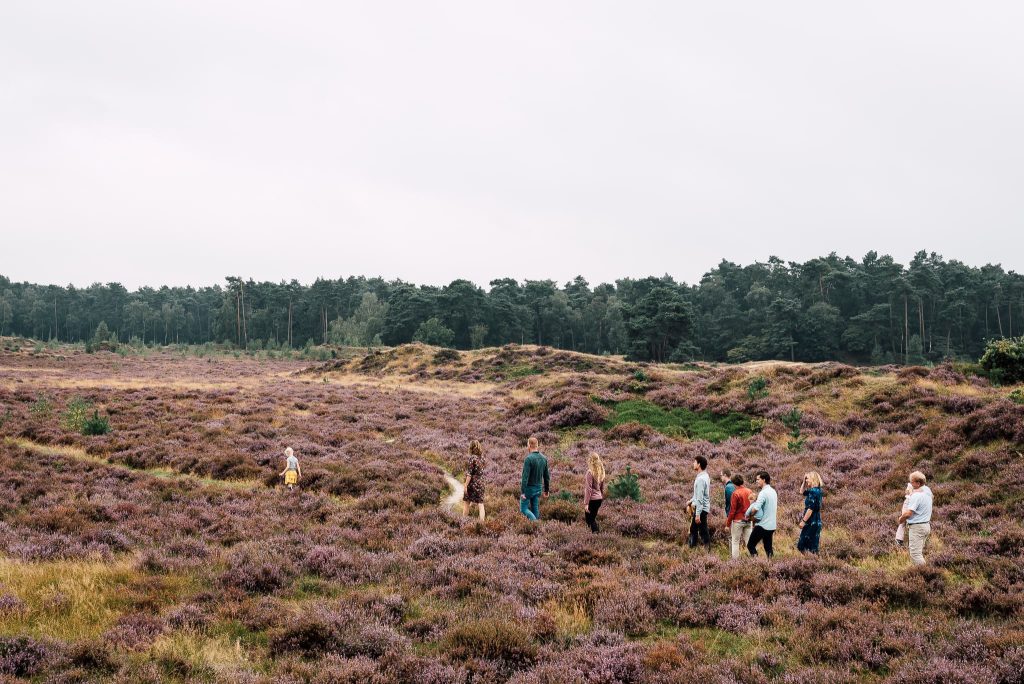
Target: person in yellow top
(292, 472)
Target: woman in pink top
(593, 490)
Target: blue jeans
(530, 506)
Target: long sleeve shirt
(535, 474)
(701, 500)
(591, 489)
(729, 489)
(767, 506)
(738, 505)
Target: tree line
(874, 310)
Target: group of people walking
(750, 520)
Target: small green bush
(43, 408)
(625, 486)
(792, 422)
(1003, 360)
(758, 388)
(97, 425)
(682, 422)
(76, 415)
(1017, 396)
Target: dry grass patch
(74, 600)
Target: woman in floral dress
(474, 479)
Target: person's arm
(298, 470)
(547, 478)
(526, 478)
(588, 483)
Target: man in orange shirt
(735, 525)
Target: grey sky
(178, 142)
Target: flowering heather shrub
(134, 631)
(22, 656)
(189, 616)
(319, 630)
(258, 568)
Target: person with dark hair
(763, 511)
(700, 504)
(536, 480)
(736, 526)
(474, 493)
(726, 480)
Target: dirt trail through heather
(78, 454)
(163, 473)
(455, 498)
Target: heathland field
(166, 549)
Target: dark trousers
(699, 526)
(591, 515)
(761, 535)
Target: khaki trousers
(917, 535)
(740, 530)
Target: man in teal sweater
(536, 480)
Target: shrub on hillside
(1004, 360)
(319, 630)
(96, 425)
(625, 486)
(257, 568)
(492, 638)
(21, 656)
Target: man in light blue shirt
(918, 517)
(766, 507)
(700, 504)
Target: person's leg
(815, 539)
(535, 506)
(900, 529)
(465, 508)
(755, 537)
(482, 516)
(768, 535)
(917, 534)
(748, 529)
(691, 539)
(524, 508)
(702, 528)
(595, 506)
(735, 534)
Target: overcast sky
(178, 142)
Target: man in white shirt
(917, 515)
(763, 511)
(700, 504)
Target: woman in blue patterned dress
(810, 521)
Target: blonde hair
(814, 479)
(596, 466)
(288, 451)
(918, 476)
(475, 448)
(532, 443)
